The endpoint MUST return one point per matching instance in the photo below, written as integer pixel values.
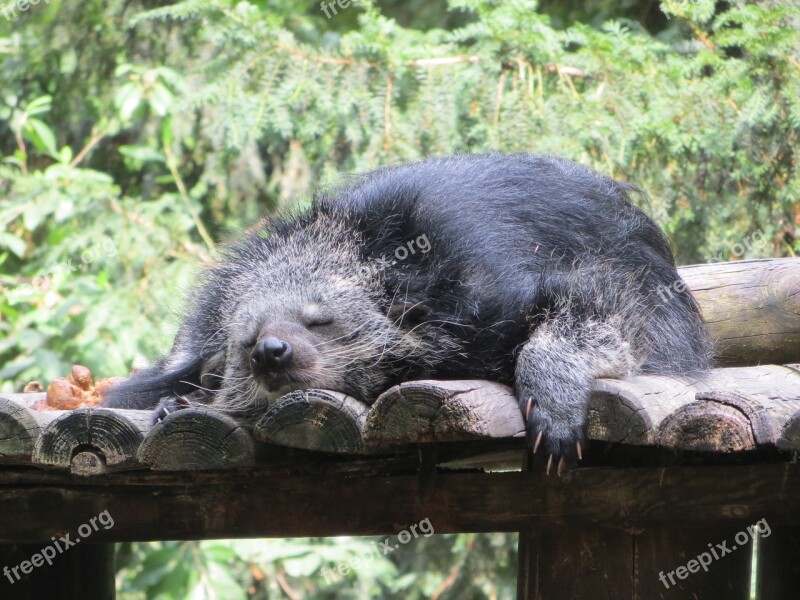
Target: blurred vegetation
(135, 136)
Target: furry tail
(145, 389)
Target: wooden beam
(337, 500)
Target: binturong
(528, 270)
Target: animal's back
(511, 237)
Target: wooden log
(196, 439)
(92, 441)
(630, 411)
(731, 409)
(737, 409)
(426, 410)
(706, 427)
(751, 307)
(315, 420)
(20, 426)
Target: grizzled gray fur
(528, 270)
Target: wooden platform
(673, 468)
(732, 410)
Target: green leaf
(39, 105)
(35, 213)
(42, 136)
(14, 243)
(142, 153)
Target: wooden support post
(779, 564)
(84, 571)
(572, 563)
(567, 563)
(673, 553)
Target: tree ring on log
(315, 420)
(195, 439)
(113, 434)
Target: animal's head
(303, 310)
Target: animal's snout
(270, 354)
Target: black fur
(540, 273)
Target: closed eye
(318, 321)
(315, 315)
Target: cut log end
(114, 435)
(197, 439)
(315, 420)
(706, 427)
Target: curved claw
(537, 442)
(549, 464)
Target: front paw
(557, 434)
(169, 405)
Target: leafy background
(134, 137)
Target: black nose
(270, 353)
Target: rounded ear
(408, 313)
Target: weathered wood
(630, 411)
(662, 564)
(282, 502)
(84, 571)
(751, 307)
(766, 397)
(92, 441)
(20, 426)
(315, 420)
(423, 411)
(526, 563)
(196, 439)
(706, 426)
(573, 564)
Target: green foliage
(464, 566)
(172, 127)
(133, 138)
